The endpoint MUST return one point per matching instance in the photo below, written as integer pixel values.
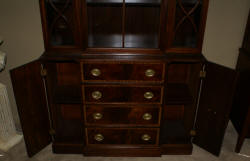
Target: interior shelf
(67, 95)
(173, 132)
(178, 93)
(114, 40)
(141, 41)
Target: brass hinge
(52, 132)
(192, 133)
(203, 74)
(43, 72)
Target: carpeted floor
(18, 153)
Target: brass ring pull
(99, 137)
(147, 116)
(145, 137)
(149, 72)
(97, 116)
(96, 72)
(148, 95)
(96, 95)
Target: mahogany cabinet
(123, 78)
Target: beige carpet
(18, 153)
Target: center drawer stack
(122, 103)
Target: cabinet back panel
(68, 74)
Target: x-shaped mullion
(187, 15)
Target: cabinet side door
(214, 107)
(30, 97)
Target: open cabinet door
(31, 102)
(214, 107)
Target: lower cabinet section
(136, 109)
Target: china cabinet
(123, 78)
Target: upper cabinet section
(175, 26)
(186, 24)
(123, 23)
(61, 23)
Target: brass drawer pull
(149, 72)
(96, 72)
(96, 95)
(148, 95)
(147, 116)
(99, 137)
(97, 116)
(145, 137)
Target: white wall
(20, 25)
(225, 28)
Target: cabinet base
(66, 148)
(121, 151)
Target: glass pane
(60, 22)
(104, 23)
(142, 23)
(187, 21)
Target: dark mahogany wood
(122, 116)
(68, 73)
(122, 136)
(214, 109)
(122, 94)
(64, 94)
(31, 102)
(245, 132)
(61, 24)
(240, 114)
(123, 71)
(176, 149)
(174, 112)
(186, 25)
(71, 111)
(121, 151)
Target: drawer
(122, 94)
(119, 136)
(118, 116)
(121, 71)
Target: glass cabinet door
(62, 29)
(104, 23)
(185, 30)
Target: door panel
(214, 108)
(186, 24)
(31, 103)
(61, 23)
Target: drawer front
(112, 136)
(124, 94)
(153, 72)
(118, 116)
